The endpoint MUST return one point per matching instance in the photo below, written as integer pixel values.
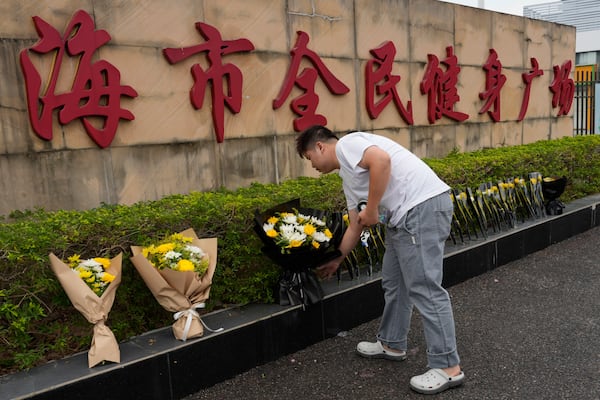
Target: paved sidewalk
(527, 330)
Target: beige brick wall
(171, 148)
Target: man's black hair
(308, 138)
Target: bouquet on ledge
(91, 286)
(179, 271)
(298, 240)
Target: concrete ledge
(156, 366)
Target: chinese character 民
(440, 87)
(216, 73)
(96, 89)
(306, 105)
(494, 80)
(379, 69)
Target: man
(402, 192)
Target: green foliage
(576, 158)
(38, 323)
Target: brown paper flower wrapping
(181, 293)
(95, 309)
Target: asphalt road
(527, 330)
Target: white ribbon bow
(190, 313)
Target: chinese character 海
(96, 89)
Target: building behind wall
(584, 15)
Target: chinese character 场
(563, 88)
(527, 79)
(96, 89)
(379, 69)
(440, 87)
(215, 48)
(306, 104)
(494, 80)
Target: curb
(157, 366)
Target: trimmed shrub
(38, 323)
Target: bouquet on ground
(298, 240)
(179, 271)
(91, 285)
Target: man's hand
(327, 270)
(368, 217)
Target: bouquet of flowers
(91, 285)
(299, 240)
(179, 271)
(292, 230)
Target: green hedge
(37, 322)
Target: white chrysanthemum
(267, 227)
(290, 219)
(172, 255)
(317, 221)
(195, 250)
(287, 230)
(90, 263)
(320, 237)
(295, 236)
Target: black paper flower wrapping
(298, 248)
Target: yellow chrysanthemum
(185, 265)
(309, 229)
(316, 244)
(328, 233)
(273, 220)
(104, 261)
(164, 248)
(147, 250)
(84, 273)
(74, 260)
(272, 233)
(106, 277)
(296, 243)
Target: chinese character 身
(494, 80)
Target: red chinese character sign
(379, 81)
(96, 90)
(563, 88)
(216, 74)
(527, 80)
(440, 87)
(494, 81)
(306, 104)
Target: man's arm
(378, 162)
(349, 241)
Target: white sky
(514, 7)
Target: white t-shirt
(411, 181)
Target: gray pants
(412, 275)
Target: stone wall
(170, 147)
